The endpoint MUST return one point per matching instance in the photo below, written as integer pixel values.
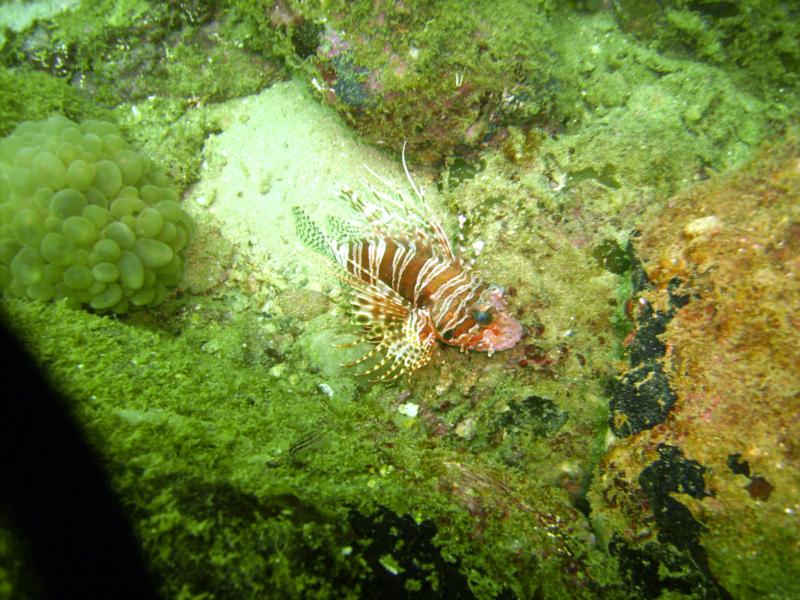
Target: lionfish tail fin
(310, 233)
(344, 232)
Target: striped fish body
(409, 290)
(445, 291)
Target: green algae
(434, 74)
(292, 470)
(27, 95)
(755, 43)
(667, 118)
(438, 78)
(153, 64)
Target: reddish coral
(730, 247)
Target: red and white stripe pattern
(442, 288)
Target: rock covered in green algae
(440, 75)
(85, 218)
(757, 39)
(701, 493)
(454, 77)
(238, 482)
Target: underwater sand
(279, 149)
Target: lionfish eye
(448, 335)
(484, 317)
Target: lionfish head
(495, 329)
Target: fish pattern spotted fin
(402, 347)
(310, 234)
(343, 231)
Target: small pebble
(408, 409)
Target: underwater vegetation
(85, 219)
(511, 77)
(628, 170)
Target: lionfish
(409, 288)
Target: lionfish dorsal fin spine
(432, 220)
(415, 212)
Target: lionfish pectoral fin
(347, 344)
(405, 346)
(402, 336)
